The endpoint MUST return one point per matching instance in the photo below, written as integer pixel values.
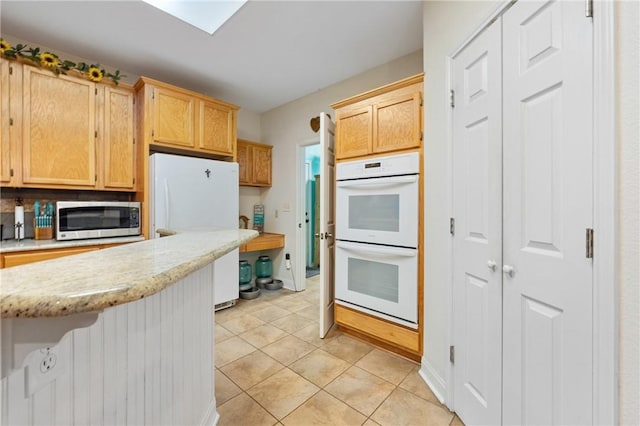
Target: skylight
(206, 15)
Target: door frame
(300, 263)
(605, 224)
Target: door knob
(491, 264)
(328, 235)
(507, 269)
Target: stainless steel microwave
(96, 219)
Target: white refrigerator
(188, 192)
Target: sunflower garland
(54, 63)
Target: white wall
(446, 25)
(628, 92)
(286, 126)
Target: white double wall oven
(377, 236)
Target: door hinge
(152, 133)
(10, 70)
(95, 134)
(421, 100)
(452, 98)
(95, 177)
(134, 181)
(452, 354)
(134, 141)
(11, 172)
(421, 135)
(588, 9)
(10, 121)
(589, 243)
(96, 90)
(452, 226)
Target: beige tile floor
(273, 369)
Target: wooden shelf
(264, 241)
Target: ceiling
(267, 54)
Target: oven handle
(385, 251)
(378, 182)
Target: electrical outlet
(44, 365)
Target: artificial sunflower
(49, 60)
(95, 74)
(4, 46)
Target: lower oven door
(379, 280)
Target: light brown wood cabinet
(176, 118)
(17, 258)
(6, 151)
(65, 132)
(254, 161)
(383, 120)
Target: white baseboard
(435, 382)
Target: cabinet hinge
(95, 177)
(152, 133)
(452, 354)
(588, 9)
(10, 70)
(421, 135)
(95, 134)
(153, 94)
(452, 98)
(452, 226)
(134, 181)
(421, 100)
(589, 243)
(11, 172)
(10, 121)
(134, 141)
(96, 90)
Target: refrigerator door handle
(166, 203)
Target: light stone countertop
(96, 280)
(30, 244)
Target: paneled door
(477, 240)
(547, 208)
(327, 223)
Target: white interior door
(547, 206)
(477, 241)
(327, 222)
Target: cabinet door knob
(508, 269)
(492, 265)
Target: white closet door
(547, 346)
(477, 243)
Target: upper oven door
(378, 210)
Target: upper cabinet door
(397, 122)
(5, 147)
(119, 161)
(217, 129)
(245, 168)
(173, 118)
(58, 129)
(354, 132)
(262, 165)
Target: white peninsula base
(149, 361)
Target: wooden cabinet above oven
(382, 120)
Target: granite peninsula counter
(122, 335)
(93, 281)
